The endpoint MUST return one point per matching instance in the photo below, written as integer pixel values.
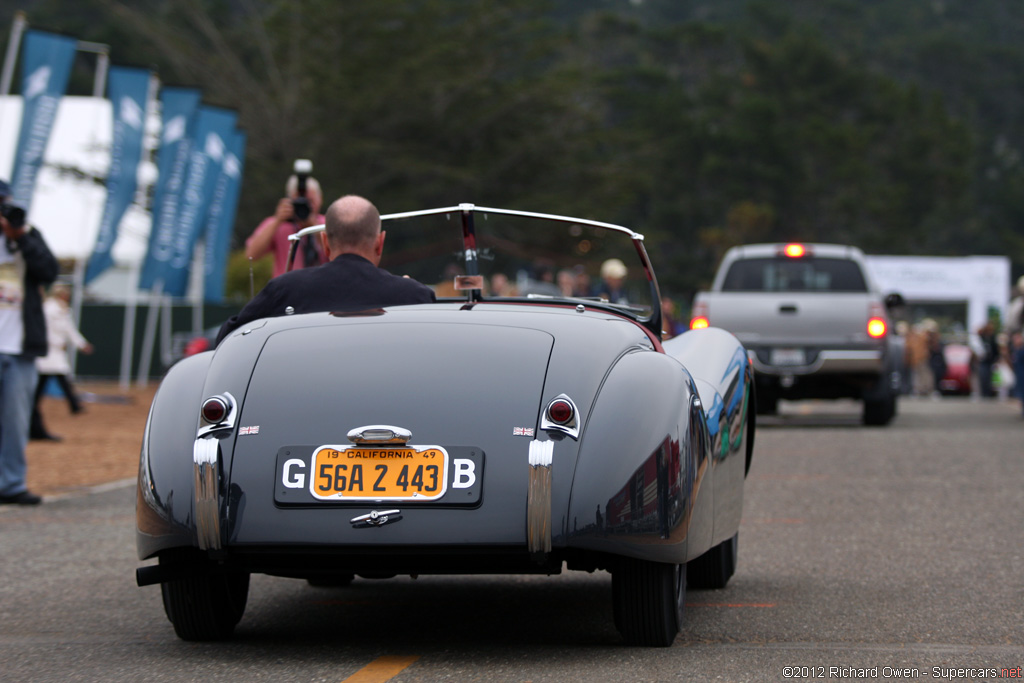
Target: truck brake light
(794, 250)
(699, 316)
(877, 326)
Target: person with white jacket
(60, 332)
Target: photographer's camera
(300, 205)
(14, 214)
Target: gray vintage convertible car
(524, 423)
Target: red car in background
(959, 367)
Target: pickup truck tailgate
(816, 319)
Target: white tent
(981, 282)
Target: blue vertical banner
(46, 60)
(128, 90)
(220, 221)
(214, 127)
(178, 113)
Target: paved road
(895, 548)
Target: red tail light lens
(876, 327)
(560, 411)
(699, 323)
(215, 410)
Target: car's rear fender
(166, 511)
(164, 504)
(641, 464)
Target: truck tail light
(877, 326)
(699, 317)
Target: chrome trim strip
(483, 209)
(538, 497)
(207, 501)
(379, 434)
(570, 428)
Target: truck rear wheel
(879, 412)
(766, 402)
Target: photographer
(26, 266)
(300, 208)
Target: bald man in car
(351, 280)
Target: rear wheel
(206, 607)
(649, 600)
(713, 569)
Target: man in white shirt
(26, 266)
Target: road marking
(382, 669)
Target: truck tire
(766, 402)
(879, 412)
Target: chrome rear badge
(522, 431)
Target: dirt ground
(100, 444)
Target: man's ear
(326, 246)
(379, 247)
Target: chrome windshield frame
(466, 210)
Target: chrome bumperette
(204, 459)
(538, 497)
(206, 473)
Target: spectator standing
(987, 359)
(670, 325)
(1015, 314)
(613, 276)
(298, 209)
(1017, 357)
(61, 331)
(936, 356)
(26, 266)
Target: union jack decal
(248, 430)
(522, 431)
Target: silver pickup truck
(813, 321)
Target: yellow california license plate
(379, 473)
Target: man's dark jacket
(41, 269)
(346, 283)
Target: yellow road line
(382, 669)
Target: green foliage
(245, 277)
